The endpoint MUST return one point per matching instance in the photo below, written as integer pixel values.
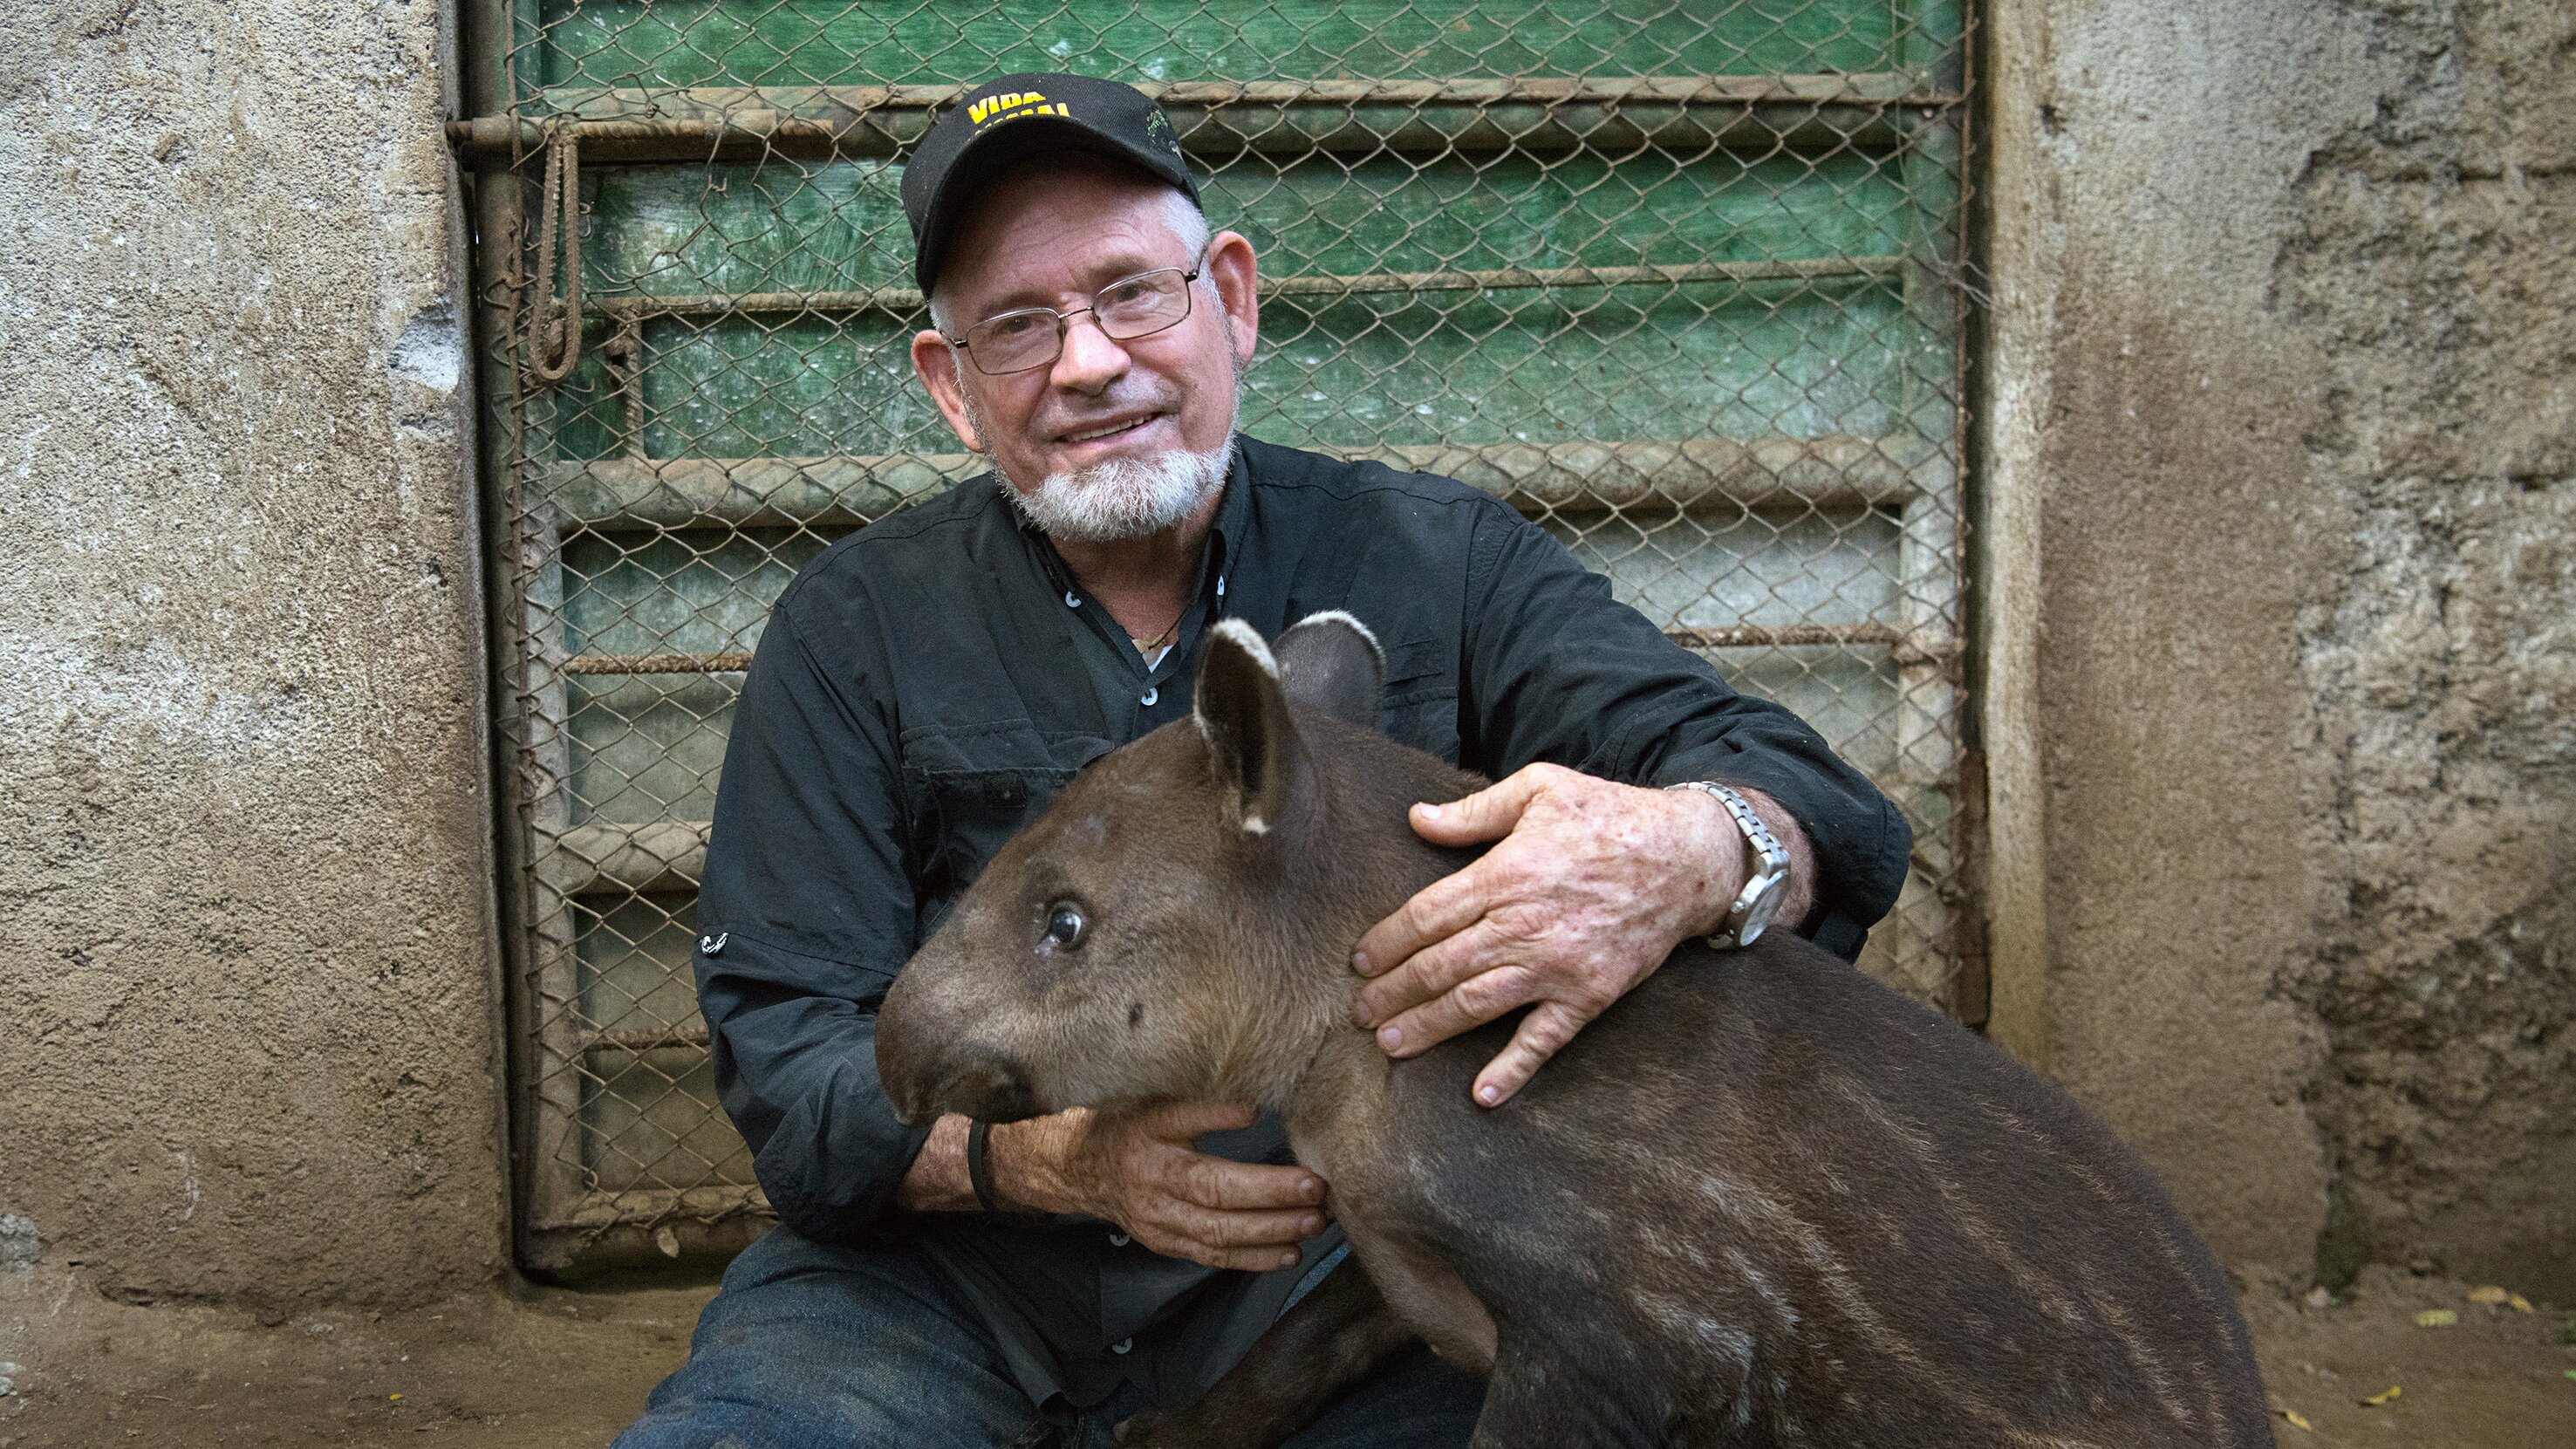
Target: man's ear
(935, 363)
(1331, 662)
(1255, 757)
(1232, 268)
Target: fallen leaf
(2571, 1373)
(2375, 1400)
(2488, 1294)
(2518, 1303)
(2298, 1420)
(391, 1397)
(2438, 1318)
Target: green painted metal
(614, 774)
(1797, 358)
(758, 42)
(831, 226)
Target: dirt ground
(552, 1368)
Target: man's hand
(1592, 886)
(1139, 1170)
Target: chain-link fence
(1682, 281)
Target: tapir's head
(1179, 923)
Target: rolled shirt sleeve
(1558, 670)
(805, 915)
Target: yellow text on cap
(1016, 103)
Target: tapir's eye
(1065, 925)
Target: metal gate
(1681, 280)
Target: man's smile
(1109, 429)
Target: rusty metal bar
(1738, 636)
(1786, 636)
(658, 663)
(645, 103)
(1796, 269)
(665, 856)
(1808, 112)
(842, 491)
(627, 310)
(651, 1039)
(1840, 472)
(648, 1227)
(706, 1203)
(633, 308)
(624, 354)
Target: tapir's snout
(932, 1064)
(988, 1087)
(979, 1082)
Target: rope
(550, 361)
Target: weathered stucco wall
(246, 982)
(2434, 263)
(2283, 356)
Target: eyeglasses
(1126, 309)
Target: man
(924, 688)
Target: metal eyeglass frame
(1064, 320)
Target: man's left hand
(1591, 887)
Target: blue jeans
(808, 1346)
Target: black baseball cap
(1006, 120)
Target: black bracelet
(978, 1171)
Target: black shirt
(926, 686)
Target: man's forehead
(1039, 230)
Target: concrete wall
(2280, 572)
(2282, 460)
(246, 979)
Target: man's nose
(1091, 359)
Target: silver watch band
(1765, 885)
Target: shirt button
(1220, 586)
(1122, 1345)
(1119, 1240)
(1149, 696)
(1070, 601)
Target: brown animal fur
(1762, 1200)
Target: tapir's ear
(1331, 662)
(1242, 710)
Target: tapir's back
(1760, 1168)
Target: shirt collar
(1233, 524)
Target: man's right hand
(1139, 1169)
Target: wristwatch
(1768, 884)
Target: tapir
(1762, 1200)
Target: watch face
(1757, 918)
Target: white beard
(1124, 497)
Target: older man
(924, 687)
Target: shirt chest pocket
(1420, 704)
(968, 791)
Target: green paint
(1868, 356)
(1794, 359)
(831, 226)
(644, 1117)
(1862, 356)
(1634, 362)
(765, 42)
(648, 747)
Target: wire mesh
(1682, 281)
